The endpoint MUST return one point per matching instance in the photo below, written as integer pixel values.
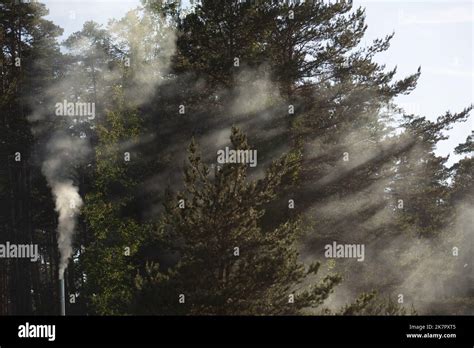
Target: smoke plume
(62, 152)
(68, 203)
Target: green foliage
(116, 235)
(222, 212)
(463, 178)
(372, 304)
(125, 263)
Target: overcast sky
(434, 34)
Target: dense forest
(110, 164)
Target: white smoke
(68, 202)
(64, 151)
(149, 43)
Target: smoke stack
(62, 297)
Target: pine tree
(463, 173)
(459, 238)
(226, 261)
(116, 230)
(29, 57)
(343, 118)
(420, 193)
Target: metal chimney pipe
(62, 297)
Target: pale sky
(438, 36)
(434, 34)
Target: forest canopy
(201, 160)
